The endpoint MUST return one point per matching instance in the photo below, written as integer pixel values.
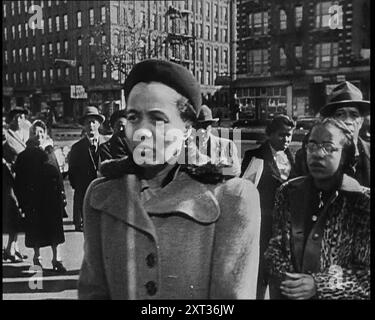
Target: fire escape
(180, 40)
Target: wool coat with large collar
(188, 241)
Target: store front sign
(78, 92)
(7, 91)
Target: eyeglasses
(326, 147)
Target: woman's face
(154, 129)
(324, 151)
(39, 135)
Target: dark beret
(117, 115)
(169, 73)
(17, 110)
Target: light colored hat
(91, 111)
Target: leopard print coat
(345, 248)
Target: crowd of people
(185, 219)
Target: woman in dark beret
(159, 226)
(320, 247)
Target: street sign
(78, 92)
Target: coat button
(315, 236)
(151, 260)
(151, 288)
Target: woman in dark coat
(40, 190)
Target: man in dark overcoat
(84, 161)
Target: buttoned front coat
(188, 241)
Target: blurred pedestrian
(40, 190)
(320, 247)
(84, 160)
(13, 144)
(12, 215)
(222, 152)
(165, 230)
(116, 147)
(271, 164)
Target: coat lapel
(120, 198)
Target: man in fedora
(84, 160)
(219, 150)
(116, 147)
(346, 103)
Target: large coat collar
(120, 198)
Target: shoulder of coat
(294, 183)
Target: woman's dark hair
(348, 151)
(278, 122)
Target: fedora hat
(344, 95)
(91, 111)
(17, 110)
(205, 115)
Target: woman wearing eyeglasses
(320, 248)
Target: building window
(80, 72)
(298, 52)
(282, 57)
(43, 50)
(216, 33)
(114, 14)
(20, 54)
(58, 73)
(216, 55)
(19, 6)
(19, 31)
(27, 77)
(79, 19)
(208, 77)
(104, 70)
(224, 35)
(25, 6)
(4, 10)
(225, 56)
(215, 12)
(65, 46)
(92, 41)
(202, 53)
(5, 34)
(34, 75)
(208, 11)
(208, 55)
(326, 55)
(26, 29)
(322, 15)
(42, 25)
(14, 55)
(258, 61)
(79, 46)
(65, 22)
(298, 15)
(49, 3)
(13, 32)
(258, 22)
(50, 50)
(92, 71)
(208, 33)
(6, 78)
(51, 75)
(66, 72)
(42, 3)
(27, 53)
(44, 76)
(283, 20)
(50, 25)
(12, 7)
(57, 18)
(21, 78)
(6, 56)
(225, 14)
(58, 48)
(91, 17)
(14, 78)
(103, 14)
(34, 52)
(104, 39)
